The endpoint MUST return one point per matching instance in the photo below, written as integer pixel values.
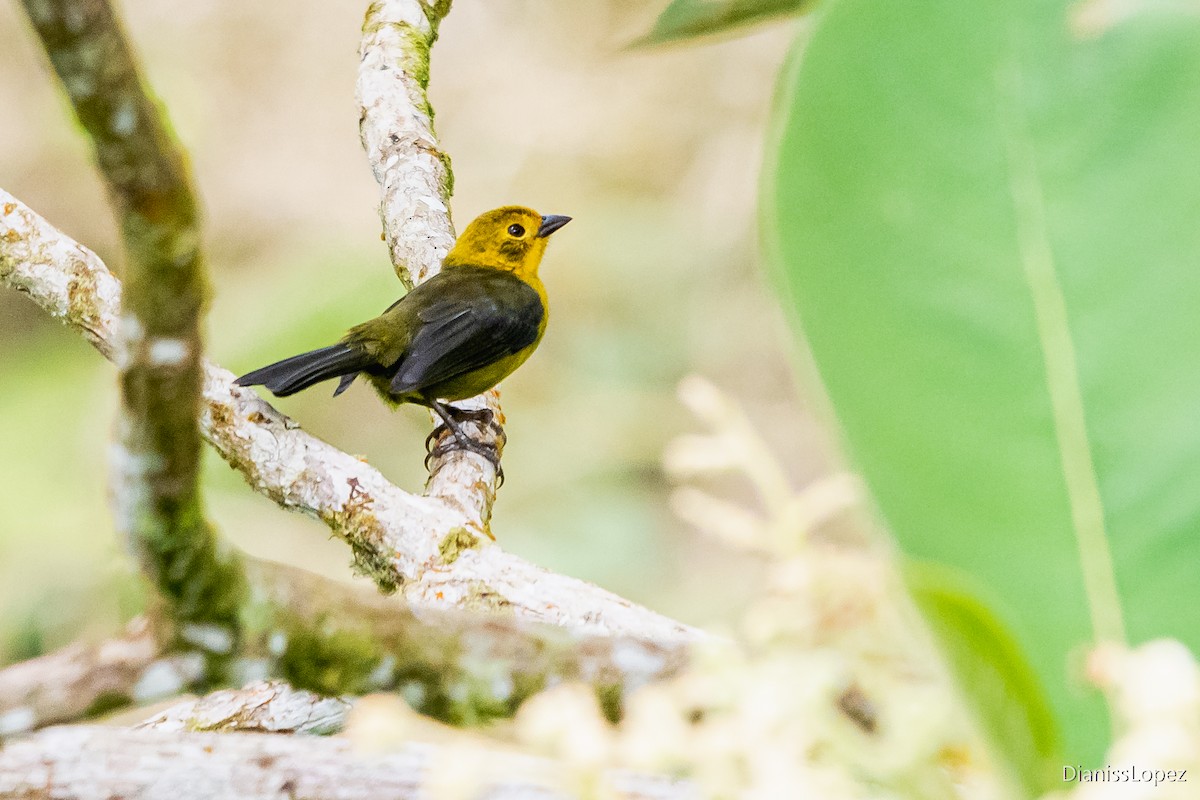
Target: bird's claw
(452, 442)
(437, 431)
(484, 417)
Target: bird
(454, 336)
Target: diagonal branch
(156, 458)
(424, 545)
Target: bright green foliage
(688, 19)
(1010, 705)
(984, 217)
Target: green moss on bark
(106, 702)
(163, 301)
(454, 543)
(340, 662)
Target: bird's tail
(291, 375)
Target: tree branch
(424, 545)
(334, 638)
(87, 763)
(415, 181)
(156, 459)
(461, 666)
(397, 132)
(454, 665)
(80, 679)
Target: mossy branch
(157, 456)
(336, 639)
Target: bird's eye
(516, 230)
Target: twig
(92, 763)
(156, 458)
(424, 545)
(415, 184)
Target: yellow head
(512, 239)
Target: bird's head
(512, 238)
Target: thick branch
(425, 545)
(89, 763)
(457, 665)
(335, 638)
(157, 456)
(80, 679)
(415, 183)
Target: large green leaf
(987, 223)
(688, 19)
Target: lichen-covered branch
(426, 546)
(415, 183)
(157, 454)
(397, 131)
(89, 763)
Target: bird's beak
(550, 224)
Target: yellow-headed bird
(456, 335)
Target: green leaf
(985, 222)
(1010, 705)
(689, 19)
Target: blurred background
(654, 153)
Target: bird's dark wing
(469, 319)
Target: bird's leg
(461, 439)
(481, 416)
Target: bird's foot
(453, 442)
(484, 417)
